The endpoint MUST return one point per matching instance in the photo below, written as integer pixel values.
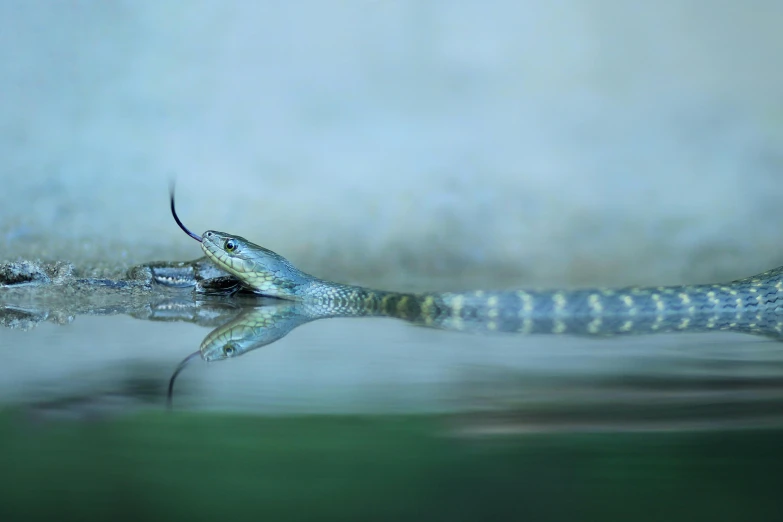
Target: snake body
(753, 304)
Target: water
(357, 419)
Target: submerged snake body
(754, 304)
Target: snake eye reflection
(229, 350)
(230, 245)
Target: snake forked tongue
(176, 218)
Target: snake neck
(344, 299)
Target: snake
(751, 305)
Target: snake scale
(753, 304)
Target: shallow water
(373, 366)
(336, 417)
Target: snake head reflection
(256, 327)
(253, 329)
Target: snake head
(259, 269)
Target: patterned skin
(752, 305)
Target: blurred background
(408, 144)
(565, 142)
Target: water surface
(338, 418)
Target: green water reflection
(203, 467)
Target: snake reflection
(259, 326)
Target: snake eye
(230, 245)
(229, 350)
